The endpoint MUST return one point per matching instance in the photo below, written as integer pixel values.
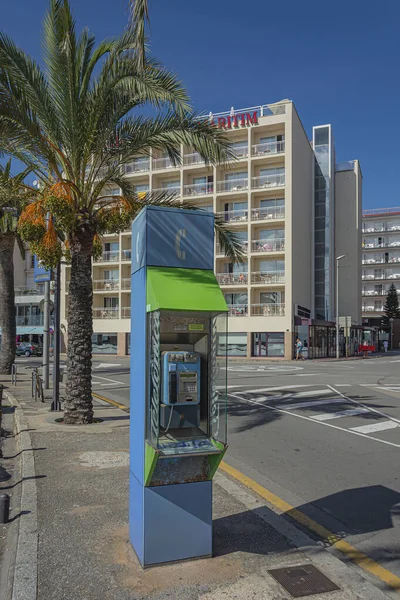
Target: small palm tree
(76, 124)
(14, 195)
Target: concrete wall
(348, 226)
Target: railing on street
(276, 245)
(268, 277)
(31, 321)
(109, 256)
(163, 163)
(268, 310)
(232, 278)
(106, 313)
(126, 312)
(265, 214)
(126, 283)
(268, 148)
(198, 189)
(268, 181)
(233, 185)
(105, 285)
(137, 166)
(234, 216)
(237, 310)
(126, 255)
(193, 159)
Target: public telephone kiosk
(180, 389)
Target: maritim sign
(236, 120)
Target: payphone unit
(180, 389)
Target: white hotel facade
(295, 210)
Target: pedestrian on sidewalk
(299, 349)
(385, 345)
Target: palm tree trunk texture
(7, 302)
(78, 406)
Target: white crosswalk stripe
(350, 412)
(382, 426)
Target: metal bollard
(14, 374)
(4, 508)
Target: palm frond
(139, 19)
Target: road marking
(309, 374)
(350, 412)
(110, 380)
(107, 365)
(112, 402)
(343, 384)
(374, 410)
(359, 558)
(383, 426)
(263, 368)
(275, 389)
(313, 403)
(305, 418)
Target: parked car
(28, 349)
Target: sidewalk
(74, 532)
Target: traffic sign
(40, 275)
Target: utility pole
(338, 258)
(46, 335)
(56, 404)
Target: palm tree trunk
(78, 406)
(7, 302)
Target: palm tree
(76, 123)
(14, 195)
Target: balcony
(234, 216)
(126, 283)
(373, 293)
(268, 245)
(126, 312)
(232, 278)
(28, 291)
(268, 277)
(198, 189)
(379, 261)
(126, 255)
(241, 151)
(268, 148)
(268, 181)
(31, 321)
(238, 310)
(106, 313)
(193, 159)
(109, 256)
(236, 185)
(372, 309)
(268, 310)
(172, 191)
(267, 214)
(163, 163)
(106, 285)
(137, 166)
(374, 229)
(245, 248)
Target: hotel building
(294, 209)
(380, 260)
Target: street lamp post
(338, 258)
(391, 332)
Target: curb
(26, 561)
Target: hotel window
(235, 181)
(273, 143)
(271, 297)
(171, 184)
(141, 187)
(240, 148)
(111, 275)
(31, 261)
(233, 344)
(110, 302)
(272, 266)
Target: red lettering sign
(239, 120)
(252, 119)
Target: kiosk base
(170, 522)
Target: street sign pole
(46, 335)
(56, 404)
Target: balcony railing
(238, 310)
(126, 283)
(265, 214)
(232, 278)
(374, 229)
(379, 261)
(372, 309)
(374, 293)
(241, 151)
(198, 189)
(109, 256)
(268, 245)
(268, 148)
(106, 313)
(268, 277)
(106, 285)
(32, 321)
(163, 163)
(268, 181)
(234, 216)
(245, 248)
(235, 185)
(171, 190)
(268, 310)
(28, 291)
(137, 166)
(193, 159)
(126, 255)
(126, 312)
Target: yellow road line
(360, 559)
(113, 402)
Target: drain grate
(303, 580)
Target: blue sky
(339, 63)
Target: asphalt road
(323, 436)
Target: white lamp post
(338, 258)
(391, 332)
